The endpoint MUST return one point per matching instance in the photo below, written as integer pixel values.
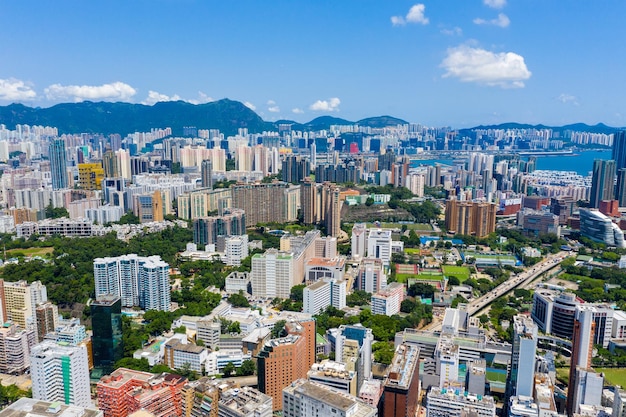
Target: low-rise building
(244, 402)
(388, 300)
(178, 355)
(304, 398)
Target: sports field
(461, 272)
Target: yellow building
(90, 176)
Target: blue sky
(458, 63)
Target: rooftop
(27, 407)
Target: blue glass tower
(58, 164)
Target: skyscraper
(106, 318)
(60, 373)
(206, 171)
(58, 164)
(602, 182)
(521, 378)
(138, 280)
(582, 346)
(620, 190)
(619, 149)
(284, 360)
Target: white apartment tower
(137, 280)
(60, 373)
(324, 293)
(359, 240)
(379, 245)
(522, 375)
(272, 273)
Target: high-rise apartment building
(379, 245)
(15, 345)
(137, 280)
(353, 346)
(333, 203)
(264, 203)
(582, 348)
(19, 300)
(323, 293)
(46, 319)
(619, 149)
(207, 229)
(524, 348)
(149, 207)
(311, 399)
(295, 169)
(272, 274)
(110, 164)
(358, 242)
(401, 384)
(283, 360)
(206, 174)
(106, 318)
(387, 300)
(371, 275)
(90, 176)
(125, 391)
(470, 218)
(58, 164)
(60, 373)
(602, 182)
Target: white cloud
(332, 104)
(297, 111)
(495, 4)
(202, 98)
(156, 97)
(117, 91)
(249, 105)
(504, 69)
(502, 21)
(415, 15)
(272, 107)
(455, 31)
(568, 98)
(12, 89)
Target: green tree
(228, 369)
(248, 367)
(238, 300)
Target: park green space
(496, 376)
(424, 227)
(613, 376)
(478, 255)
(461, 272)
(435, 276)
(30, 252)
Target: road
(515, 281)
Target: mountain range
(226, 115)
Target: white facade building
(217, 360)
(272, 274)
(60, 373)
(388, 300)
(137, 280)
(379, 245)
(309, 399)
(324, 293)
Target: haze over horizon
(458, 63)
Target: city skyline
(463, 64)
